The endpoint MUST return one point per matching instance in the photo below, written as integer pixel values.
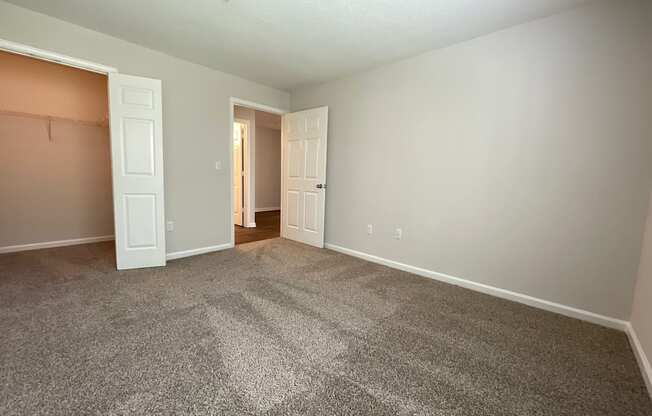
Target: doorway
(256, 174)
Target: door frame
(249, 188)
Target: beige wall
(642, 310)
(55, 189)
(521, 160)
(268, 166)
(195, 118)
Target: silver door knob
(321, 186)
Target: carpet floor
(278, 328)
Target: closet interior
(55, 160)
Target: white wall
(642, 310)
(520, 160)
(195, 118)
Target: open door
(303, 198)
(136, 122)
(238, 147)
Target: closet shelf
(53, 118)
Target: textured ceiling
(287, 43)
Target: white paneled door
(136, 122)
(304, 176)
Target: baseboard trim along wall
(197, 251)
(268, 209)
(58, 243)
(639, 353)
(490, 290)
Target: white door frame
(233, 101)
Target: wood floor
(268, 225)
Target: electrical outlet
(370, 229)
(169, 226)
(398, 234)
(218, 165)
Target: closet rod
(53, 118)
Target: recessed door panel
(138, 97)
(138, 146)
(312, 158)
(295, 159)
(310, 210)
(292, 208)
(313, 125)
(140, 225)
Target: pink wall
(33, 86)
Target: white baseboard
(641, 357)
(490, 290)
(268, 209)
(197, 251)
(58, 243)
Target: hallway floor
(268, 225)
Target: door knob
(321, 186)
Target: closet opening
(55, 161)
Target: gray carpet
(277, 328)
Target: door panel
(136, 121)
(141, 220)
(292, 208)
(138, 146)
(304, 168)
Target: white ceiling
(287, 43)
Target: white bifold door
(304, 176)
(136, 122)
